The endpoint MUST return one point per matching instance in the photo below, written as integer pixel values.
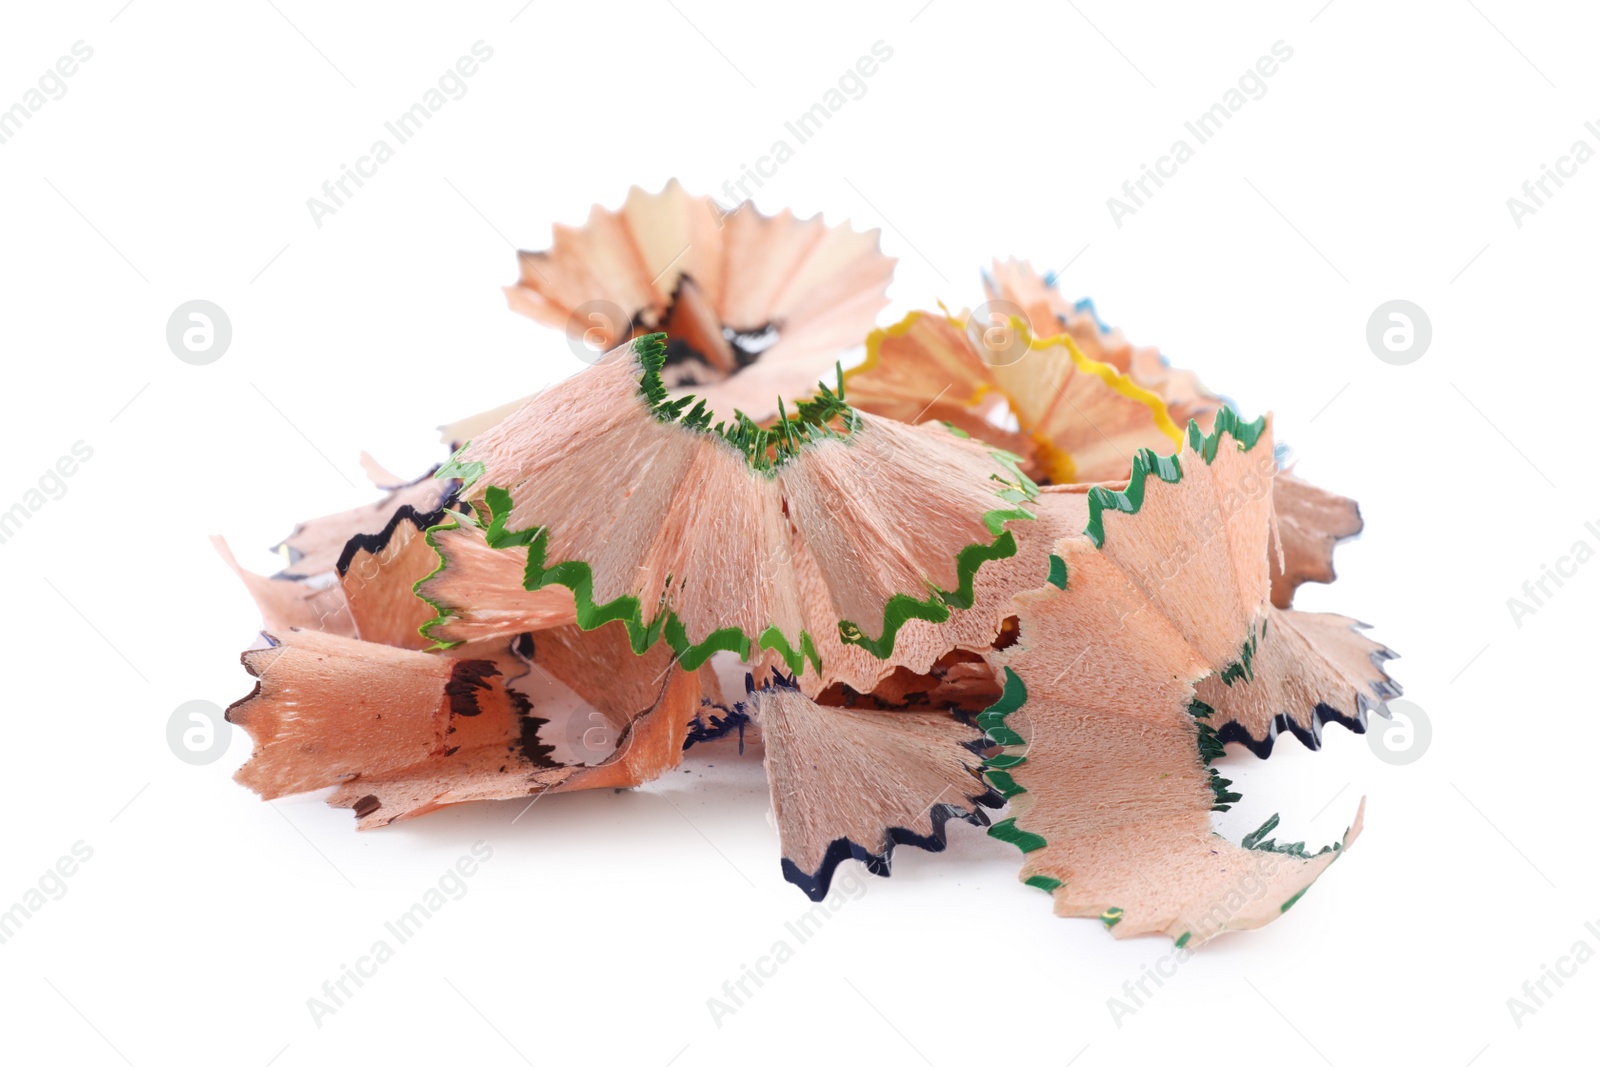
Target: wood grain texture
(1310, 524)
(1112, 793)
(1083, 419)
(1049, 313)
(401, 733)
(849, 783)
(675, 262)
(677, 519)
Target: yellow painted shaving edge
(1059, 463)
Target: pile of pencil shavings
(1009, 561)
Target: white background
(1377, 166)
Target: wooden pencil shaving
(1008, 562)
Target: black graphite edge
(244, 659)
(1261, 747)
(815, 886)
(374, 543)
(705, 727)
(295, 555)
(680, 352)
